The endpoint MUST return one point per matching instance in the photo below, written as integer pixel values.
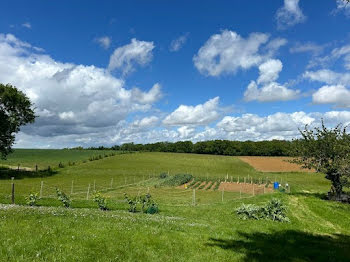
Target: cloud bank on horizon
(263, 85)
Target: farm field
(272, 164)
(209, 231)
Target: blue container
(276, 185)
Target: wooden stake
(88, 192)
(253, 190)
(194, 197)
(222, 195)
(71, 189)
(13, 191)
(41, 189)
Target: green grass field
(210, 231)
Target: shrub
(61, 196)
(101, 201)
(146, 203)
(163, 175)
(31, 199)
(178, 180)
(274, 210)
(60, 165)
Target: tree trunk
(337, 188)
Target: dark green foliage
(210, 186)
(274, 210)
(328, 152)
(217, 185)
(15, 111)
(202, 186)
(100, 200)
(60, 165)
(163, 175)
(143, 203)
(61, 196)
(177, 180)
(216, 147)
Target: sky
(113, 72)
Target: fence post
(253, 190)
(88, 192)
(36, 168)
(264, 188)
(71, 189)
(194, 197)
(13, 190)
(222, 195)
(244, 180)
(18, 167)
(238, 180)
(240, 191)
(41, 189)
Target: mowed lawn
(210, 231)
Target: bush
(178, 180)
(145, 202)
(61, 196)
(163, 175)
(101, 201)
(274, 210)
(31, 199)
(60, 165)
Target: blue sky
(110, 72)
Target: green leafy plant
(101, 201)
(32, 199)
(274, 210)
(163, 175)
(145, 203)
(60, 165)
(61, 196)
(177, 180)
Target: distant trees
(327, 151)
(213, 147)
(15, 111)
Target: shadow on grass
(290, 245)
(7, 173)
(322, 196)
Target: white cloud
(126, 57)
(104, 41)
(307, 47)
(289, 15)
(328, 76)
(186, 132)
(344, 6)
(178, 43)
(335, 94)
(270, 90)
(228, 52)
(27, 25)
(201, 114)
(71, 100)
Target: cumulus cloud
(335, 94)
(270, 90)
(328, 76)
(201, 114)
(185, 132)
(228, 52)
(104, 41)
(71, 100)
(178, 43)
(126, 57)
(289, 15)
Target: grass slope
(319, 229)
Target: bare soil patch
(245, 188)
(272, 164)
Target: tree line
(213, 147)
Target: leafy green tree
(328, 152)
(15, 111)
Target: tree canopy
(327, 150)
(15, 111)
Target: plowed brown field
(272, 164)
